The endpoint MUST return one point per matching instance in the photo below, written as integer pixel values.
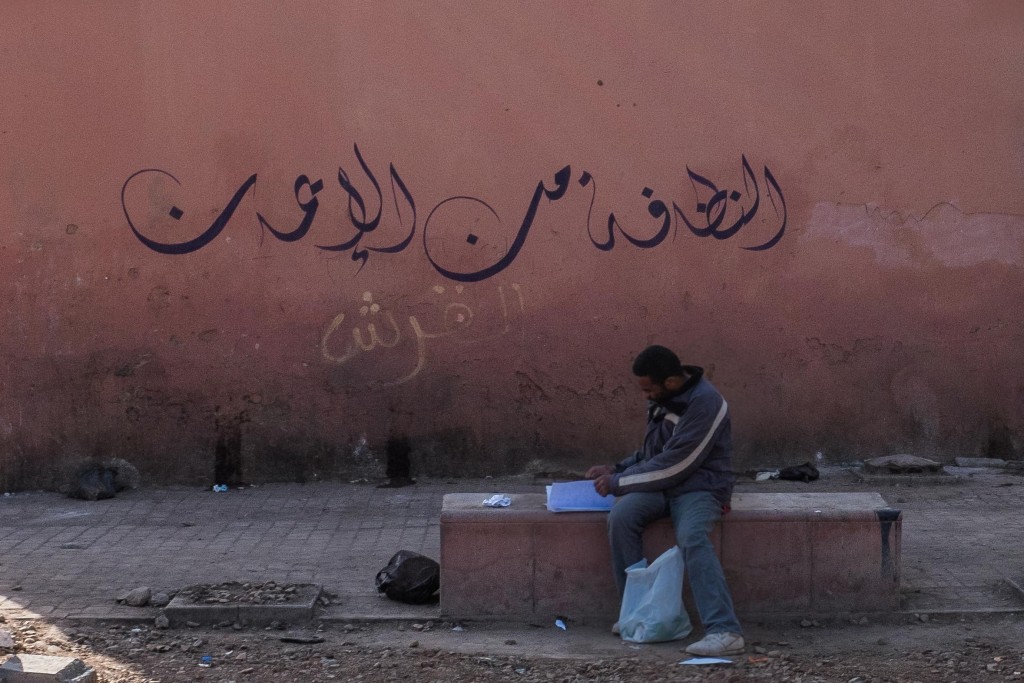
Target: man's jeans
(693, 516)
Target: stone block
(181, 613)
(781, 553)
(856, 564)
(767, 564)
(181, 610)
(979, 462)
(45, 669)
(903, 463)
(572, 559)
(488, 569)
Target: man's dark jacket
(687, 446)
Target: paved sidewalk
(62, 558)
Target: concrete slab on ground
(183, 609)
(26, 668)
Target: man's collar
(694, 375)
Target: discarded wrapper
(498, 500)
(706, 660)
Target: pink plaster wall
(885, 137)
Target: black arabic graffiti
(715, 216)
(713, 211)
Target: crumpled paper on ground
(498, 500)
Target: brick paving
(62, 558)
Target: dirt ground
(952, 649)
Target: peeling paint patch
(943, 235)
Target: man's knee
(617, 519)
(622, 519)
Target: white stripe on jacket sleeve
(669, 472)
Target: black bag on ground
(410, 577)
(805, 473)
(94, 482)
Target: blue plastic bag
(652, 604)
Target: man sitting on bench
(683, 470)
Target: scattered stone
(901, 464)
(924, 617)
(6, 640)
(302, 638)
(31, 668)
(137, 597)
(979, 462)
(510, 641)
(162, 621)
(159, 599)
(192, 624)
(883, 641)
(760, 650)
(414, 643)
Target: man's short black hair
(658, 363)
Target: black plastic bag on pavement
(94, 482)
(410, 577)
(805, 473)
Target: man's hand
(599, 471)
(603, 484)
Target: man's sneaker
(615, 628)
(717, 644)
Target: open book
(577, 496)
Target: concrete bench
(800, 553)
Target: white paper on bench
(577, 496)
